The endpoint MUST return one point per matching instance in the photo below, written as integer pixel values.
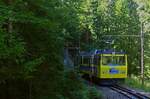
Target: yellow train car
(106, 64)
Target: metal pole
(142, 54)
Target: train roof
(94, 52)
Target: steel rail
(122, 92)
(131, 92)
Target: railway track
(131, 94)
(123, 92)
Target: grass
(135, 82)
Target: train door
(96, 63)
(92, 66)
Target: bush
(74, 88)
(94, 93)
(135, 82)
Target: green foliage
(11, 46)
(32, 51)
(74, 88)
(94, 93)
(143, 10)
(118, 17)
(12, 50)
(31, 66)
(135, 82)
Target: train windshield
(113, 60)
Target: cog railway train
(106, 65)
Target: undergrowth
(136, 82)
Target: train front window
(113, 60)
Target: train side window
(107, 60)
(121, 60)
(96, 60)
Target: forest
(34, 34)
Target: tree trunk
(9, 27)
